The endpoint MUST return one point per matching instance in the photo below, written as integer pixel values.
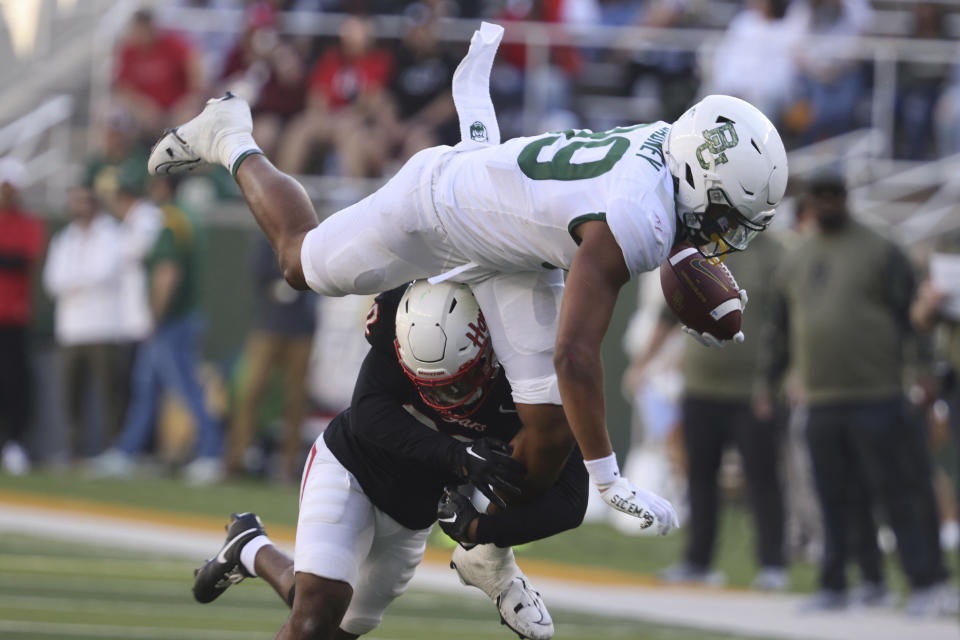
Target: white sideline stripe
(725, 307)
(680, 255)
(745, 614)
(254, 612)
(446, 626)
(248, 611)
(113, 532)
(134, 633)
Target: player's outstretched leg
(225, 568)
(494, 571)
(221, 134)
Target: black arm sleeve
(774, 357)
(561, 508)
(901, 286)
(378, 416)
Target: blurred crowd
(359, 105)
(839, 404)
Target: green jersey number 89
(561, 167)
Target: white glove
(708, 339)
(657, 515)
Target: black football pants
(16, 389)
(709, 426)
(874, 453)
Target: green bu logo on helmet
(716, 141)
(478, 132)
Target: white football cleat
(494, 571)
(213, 137)
(522, 609)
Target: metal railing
(882, 52)
(881, 175)
(866, 153)
(105, 39)
(61, 47)
(41, 139)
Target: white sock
(488, 567)
(249, 553)
(234, 147)
(225, 137)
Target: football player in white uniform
(508, 219)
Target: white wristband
(248, 554)
(239, 153)
(603, 471)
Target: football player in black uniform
(431, 409)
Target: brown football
(701, 292)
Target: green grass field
(593, 545)
(55, 591)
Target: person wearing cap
(81, 277)
(840, 316)
(21, 245)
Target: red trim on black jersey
(373, 317)
(303, 485)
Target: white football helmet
(730, 171)
(444, 346)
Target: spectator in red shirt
(21, 246)
(268, 71)
(347, 106)
(158, 74)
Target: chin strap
(686, 234)
(722, 246)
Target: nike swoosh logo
(222, 557)
(471, 453)
(502, 410)
(452, 518)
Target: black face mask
(830, 220)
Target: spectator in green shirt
(167, 360)
(841, 317)
(118, 159)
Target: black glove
(455, 513)
(487, 465)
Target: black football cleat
(225, 569)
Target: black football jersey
(398, 447)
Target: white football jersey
(513, 206)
